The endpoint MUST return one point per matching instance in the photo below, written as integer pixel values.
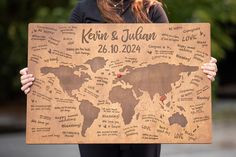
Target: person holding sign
(118, 11)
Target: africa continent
(126, 99)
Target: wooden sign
(119, 83)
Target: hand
(210, 69)
(26, 80)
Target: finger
(210, 64)
(24, 87)
(209, 68)
(211, 77)
(23, 77)
(27, 91)
(211, 73)
(213, 60)
(28, 80)
(24, 71)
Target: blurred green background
(16, 14)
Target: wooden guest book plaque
(119, 83)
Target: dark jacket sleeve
(76, 15)
(157, 14)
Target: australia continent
(179, 119)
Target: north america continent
(68, 80)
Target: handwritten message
(118, 83)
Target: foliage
(15, 16)
(220, 14)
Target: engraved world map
(119, 83)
